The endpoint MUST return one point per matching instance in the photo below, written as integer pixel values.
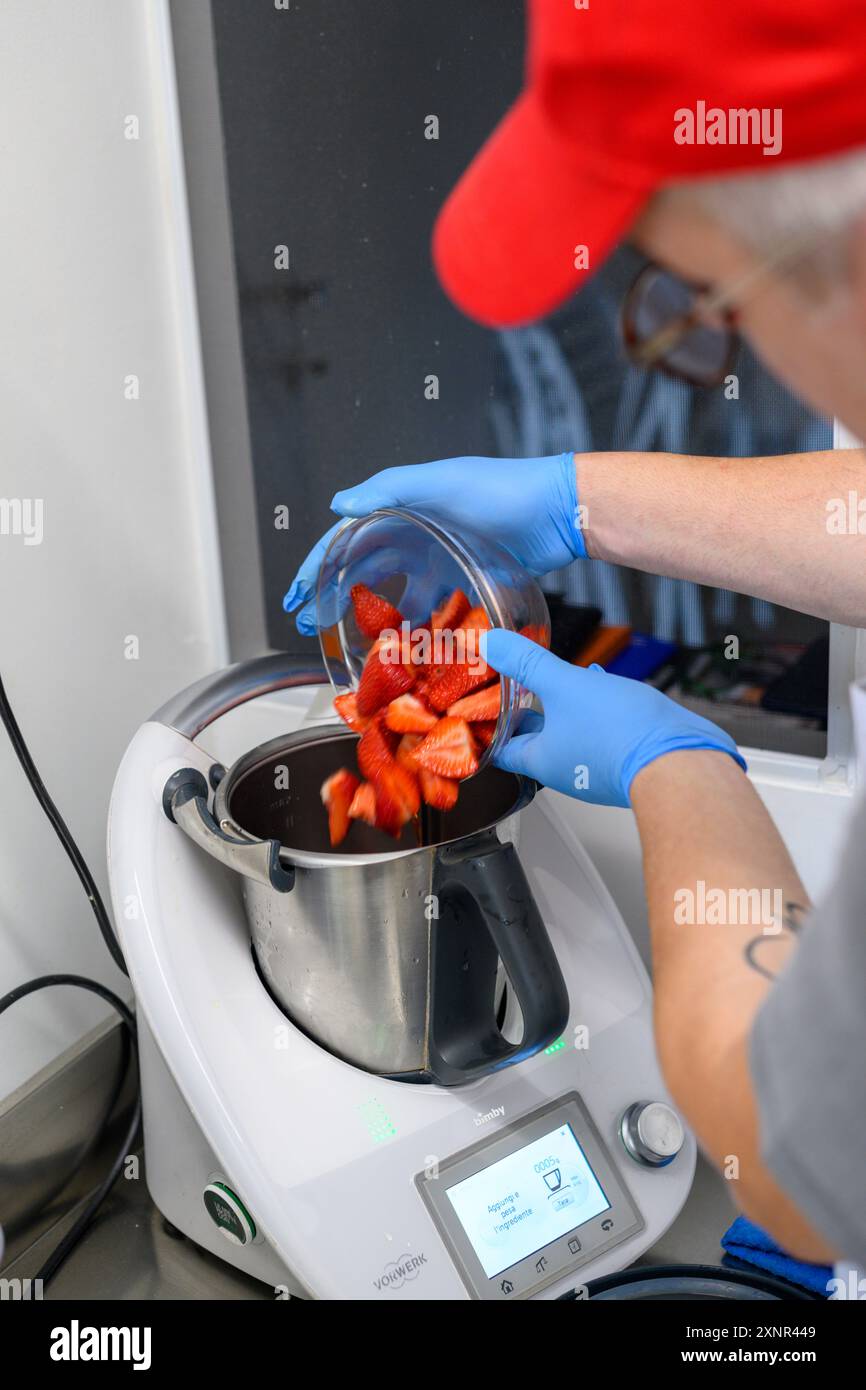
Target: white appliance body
(338, 1172)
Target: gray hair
(810, 203)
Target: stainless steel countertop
(130, 1253)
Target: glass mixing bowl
(416, 560)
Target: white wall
(94, 285)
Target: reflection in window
(565, 384)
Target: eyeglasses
(664, 326)
(690, 331)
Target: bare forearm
(758, 526)
(721, 888)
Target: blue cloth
(747, 1242)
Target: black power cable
(81, 982)
(84, 1218)
(94, 897)
(22, 752)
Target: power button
(228, 1213)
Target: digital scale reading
(527, 1199)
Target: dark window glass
(324, 111)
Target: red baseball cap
(623, 96)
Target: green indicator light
(379, 1124)
(555, 1047)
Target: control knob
(652, 1132)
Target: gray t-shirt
(808, 1059)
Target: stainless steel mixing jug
(386, 953)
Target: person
(753, 213)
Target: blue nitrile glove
(598, 731)
(529, 505)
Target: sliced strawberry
(448, 750)
(347, 708)
(337, 794)
(536, 633)
(373, 613)
(419, 651)
(460, 647)
(453, 682)
(382, 680)
(483, 731)
(484, 704)
(363, 805)
(405, 754)
(398, 798)
(375, 749)
(452, 612)
(476, 618)
(439, 792)
(409, 715)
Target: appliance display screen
(526, 1200)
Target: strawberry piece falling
(363, 805)
(375, 749)
(347, 708)
(398, 798)
(452, 612)
(439, 792)
(382, 680)
(372, 612)
(337, 794)
(409, 715)
(483, 705)
(448, 750)
(405, 754)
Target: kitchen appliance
(387, 956)
(318, 1175)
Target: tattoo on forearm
(792, 921)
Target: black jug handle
(465, 1041)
